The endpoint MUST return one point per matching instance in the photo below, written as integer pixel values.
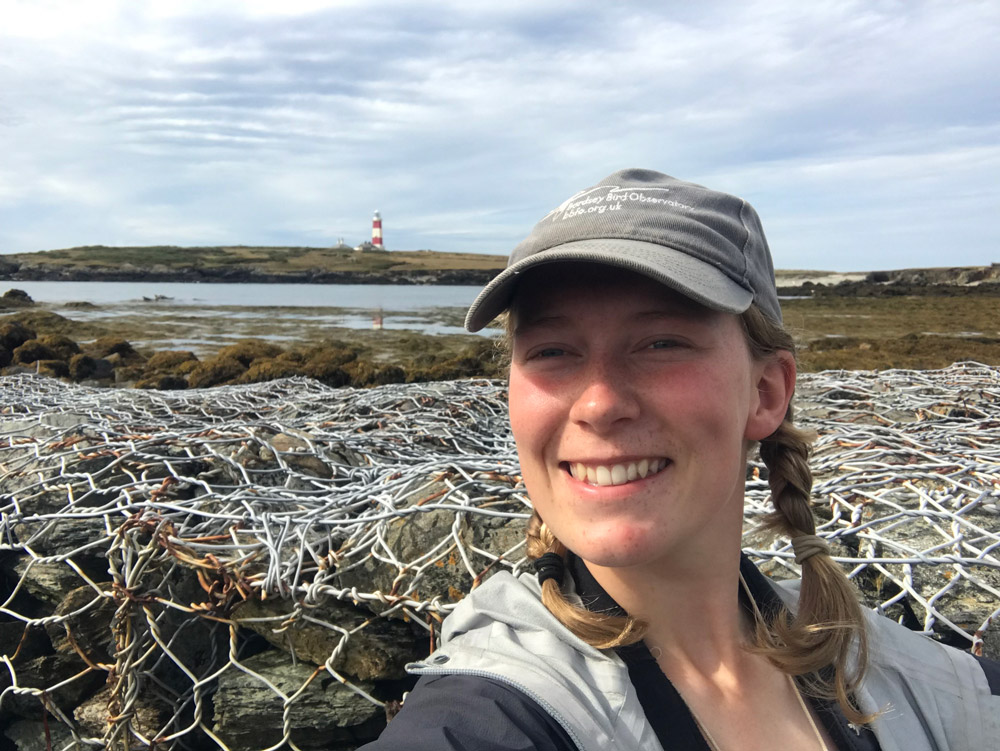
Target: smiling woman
(647, 360)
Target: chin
(621, 550)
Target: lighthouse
(377, 231)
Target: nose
(605, 398)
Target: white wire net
(182, 522)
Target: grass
(901, 332)
(264, 259)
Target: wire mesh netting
(152, 542)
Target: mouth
(603, 475)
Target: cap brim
(675, 269)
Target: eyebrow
(542, 319)
(538, 321)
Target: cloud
(848, 122)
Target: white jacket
(931, 697)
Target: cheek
(536, 424)
(533, 412)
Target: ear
(775, 383)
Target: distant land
(342, 265)
(248, 264)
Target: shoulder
(503, 632)
(930, 693)
(462, 712)
(927, 695)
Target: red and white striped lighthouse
(377, 231)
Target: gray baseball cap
(707, 245)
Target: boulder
(16, 298)
(36, 735)
(85, 624)
(32, 351)
(378, 651)
(63, 347)
(52, 368)
(169, 359)
(84, 367)
(411, 537)
(249, 351)
(112, 345)
(14, 333)
(214, 372)
(148, 717)
(325, 715)
(78, 683)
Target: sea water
(399, 297)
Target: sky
(866, 133)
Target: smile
(616, 474)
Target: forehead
(578, 289)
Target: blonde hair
(824, 643)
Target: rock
(14, 333)
(52, 368)
(165, 382)
(112, 345)
(326, 364)
(86, 623)
(65, 421)
(169, 359)
(269, 370)
(46, 671)
(16, 298)
(35, 735)
(216, 371)
(148, 717)
(411, 536)
(326, 715)
(379, 651)
(83, 367)
(63, 347)
(21, 642)
(288, 441)
(51, 581)
(32, 351)
(296, 449)
(250, 350)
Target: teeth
(619, 474)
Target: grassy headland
(246, 263)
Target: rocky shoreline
(34, 342)
(14, 272)
(251, 564)
(158, 345)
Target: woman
(647, 359)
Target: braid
(828, 628)
(599, 630)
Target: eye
(664, 344)
(546, 352)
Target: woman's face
(632, 407)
